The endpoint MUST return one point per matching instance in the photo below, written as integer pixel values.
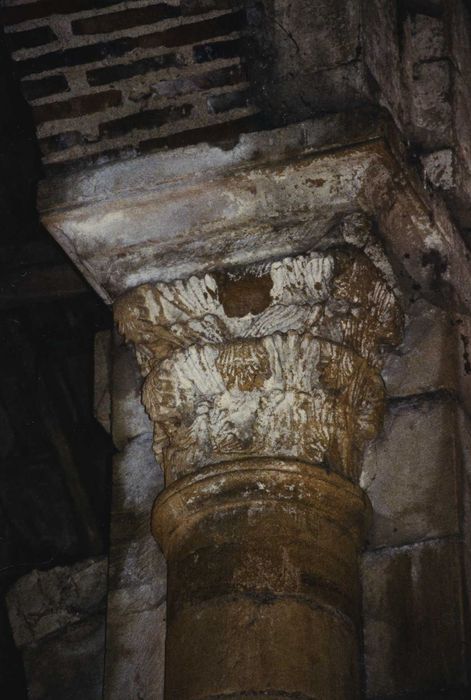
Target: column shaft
(263, 582)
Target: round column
(263, 592)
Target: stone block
(68, 665)
(58, 622)
(137, 477)
(424, 38)
(382, 55)
(137, 574)
(439, 168)
(411, 474)
(414, 633)
(335, 24)
(432, 355)
(137, 577)
(44, 602)
(431, 110)
(135, 656)
(128, 416)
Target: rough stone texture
(419, 56)
(412, 473)
(439, 168)
(58, 622)
(414, 624)
(296, 77)
(129, 418)
(135, 655)
(137, 569)
(102, 379)
(137, 573)
(433, 355)
(111, 214)
(68, 665)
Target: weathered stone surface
(129, 418)
(275, 359)
(439, 168)
(413, 619)
(102, 388)
(335, 24)
(427, 359)
(293, 75)
(135, 658)
(424, 37)
(382, 55)
(165, 217)
(58, 621)
(137, 576)
(69, 664)
(263, 582)
(431, 109)
(411, 473)
(137, 477)
(263, 383)
(44, 602)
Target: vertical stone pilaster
(263, 386)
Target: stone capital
(274, 360)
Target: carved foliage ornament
(280, 360)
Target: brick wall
(130, 76)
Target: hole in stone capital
(243, 295)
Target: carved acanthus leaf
(340, 296)
(280, 362)
(282, 395)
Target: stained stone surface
(137, 573)
(414, 624)
(432, 356)
(136, 656)
(129, 418)
(58, 622)
(411, 473)
(102, 379)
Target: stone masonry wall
(109, 78)
(416, 574)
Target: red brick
(188, 34)
(144, 120)
(115, 21)
(77, 106)
(227, 131)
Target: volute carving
(277, 360)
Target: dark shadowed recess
(54, 456)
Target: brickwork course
(114, 78)
(110, 79)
